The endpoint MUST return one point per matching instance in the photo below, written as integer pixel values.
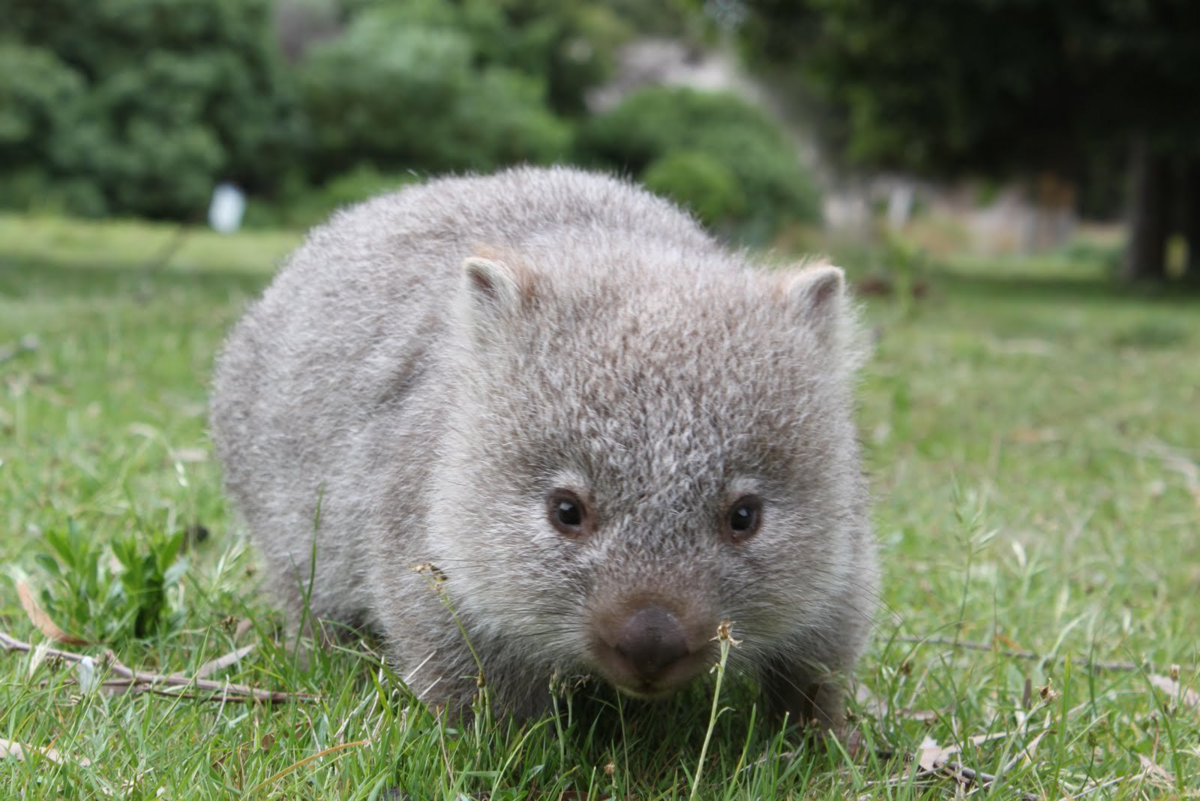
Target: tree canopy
(1007, 87)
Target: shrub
(698, 181)
(127, 589)
(409, 97)
(37, 91)
(304, 207)
(657, 122)
(142, 106)
(566, 46)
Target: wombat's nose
(652, 639)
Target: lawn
(1033, 437)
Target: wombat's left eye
(567, 513)
(745, 516)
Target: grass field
(1033, 440)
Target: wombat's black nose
(652, 639)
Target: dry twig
(130, 680)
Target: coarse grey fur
(432, 364)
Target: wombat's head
(637, 454)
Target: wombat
(541, 425)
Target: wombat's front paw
(806, 701)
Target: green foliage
(566, 45)
(110, 593)
(949, 86)
(699, 182)
(305, 206)
(36, 88)
(39, 98)
(571, 43)
(140, 107)
(144, 105)
(657, 122)
(409, 96)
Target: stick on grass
(144, 681)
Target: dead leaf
(931, 756)
(42, 621)
(1188, 697)
(1152, 768)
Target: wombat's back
(315, 385)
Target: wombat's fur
(560, 392)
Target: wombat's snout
(652, 639)
(649, 648)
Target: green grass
(1033, 438)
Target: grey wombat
(606, 432)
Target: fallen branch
(143, 681)
(220, 663)
(956, 770)
(966, 776)
(1015, 654)
(18, 751)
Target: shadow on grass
(1057, 288)
(27, 277)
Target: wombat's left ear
(816, 295)
(494, 293)
(494, 286)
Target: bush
(304, 206)
(127, 589)
(654, 123)
(566, 46)
(142, 106)
(410, 97)
(37, 91)
(699, 182)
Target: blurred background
(911, 130)
(1012, 185)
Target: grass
(1033, 436)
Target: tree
(142, 106)
(402, 89)
(1011, 87)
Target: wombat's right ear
(816, 294)
(493, 291)
(817, 297)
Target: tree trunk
(1190, 221)
(1149, 189)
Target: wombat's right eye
(567, 513)
(744, 519)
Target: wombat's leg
(524, 703)
(808, 696)
(443, 677)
